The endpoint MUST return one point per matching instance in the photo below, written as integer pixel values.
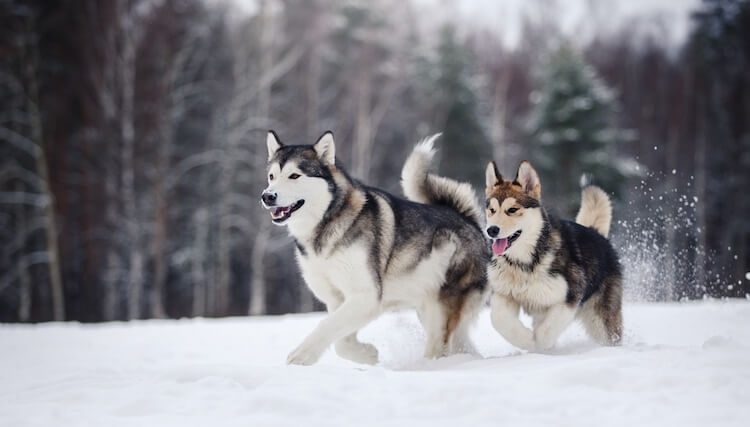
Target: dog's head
(299, 179)
(512, 207)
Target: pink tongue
(499, 246)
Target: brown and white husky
(556, 270)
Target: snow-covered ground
(681, 364)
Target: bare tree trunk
(127, 135)
(113, 267)
(180, 81)
(498, 121)
(258, 283)
(160, 237)
(700, 211)
(306, 301)
(217, 298)
(669, 223)
(200, 246)
(363, 126)
(164, 153)
(370, 114)
(37, 135)
(24, 293)
(53, 263)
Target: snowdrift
(681, 364)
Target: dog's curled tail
(421, 186)
(596, 209)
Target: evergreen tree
(572, 131)
(464, 146)
(719, 51)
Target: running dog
(363, 251)
(556, 270)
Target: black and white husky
(362, 250)
(555, 270)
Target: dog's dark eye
(492, 211)
(270, 176)
(294, 176)
(512, 210)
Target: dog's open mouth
(500, 246)
(280, 214)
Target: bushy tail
(421, 186)
(596, 209)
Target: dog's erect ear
(529, 180)
(325, 148)
(491, 176)
(273, 144)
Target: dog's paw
(358, 352)
(434, 349)
(304, 355)
(544, 340)
(527, 344)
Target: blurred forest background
(132, 138)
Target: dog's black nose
(268, 198)
(493, 231)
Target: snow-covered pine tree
(572, 131)
(464, 146)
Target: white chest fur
(341, 273)
(536, 290)
(349, 270)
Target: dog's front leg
(555, 321)
(505, 320)
(355, 312)
(350, 347)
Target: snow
(681, 364)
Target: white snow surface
(681, 365)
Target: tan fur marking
(454, 306)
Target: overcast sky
(580, 19)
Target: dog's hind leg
(592, 322)
(459, 340)
(611, 309)
(602, 315)
(603, 327)
(433, 316)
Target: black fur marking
(323, 134)
(276, 136)
(590, 261)
(359, 229)
(583, 257)
(449, 201)
(305, 156)
(542, 247)
(338, 206)
(372, 208)
(527, 202)
(300, 248)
